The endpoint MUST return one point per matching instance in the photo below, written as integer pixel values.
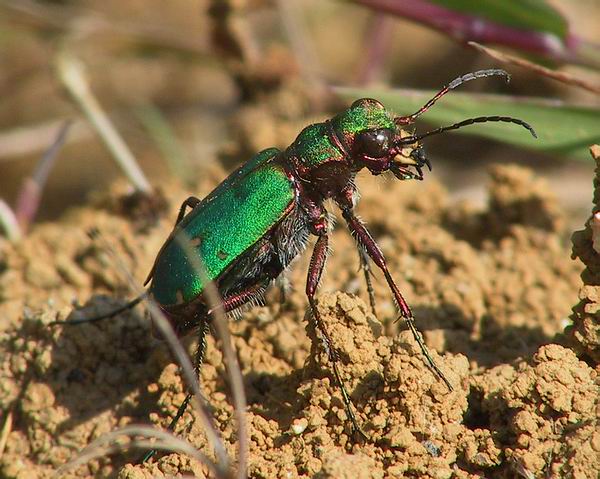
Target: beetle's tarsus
(366, 267)
(410, 321)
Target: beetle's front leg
(315, 270)
(363, 236)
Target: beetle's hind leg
(115, 312)
(203, 330)
(228, 304)
(317, 263)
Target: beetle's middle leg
(317, 263)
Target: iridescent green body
(249, 203)
(238, 213)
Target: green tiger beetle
(252, 225)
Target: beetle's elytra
(248, 230)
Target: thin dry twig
(562, 77)
(72, 76)
(236, 380)
(111, 443)
(235, 375)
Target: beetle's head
(375, 140)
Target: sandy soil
(492, 292)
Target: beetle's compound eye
(373, 143)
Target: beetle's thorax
(326, 156)
(319, 161)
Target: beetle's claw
(428, 163)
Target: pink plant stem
(30, 194)
(463, 28)
(378, 37)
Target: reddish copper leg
(317, 263)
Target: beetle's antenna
(470, 121)
(407, 120)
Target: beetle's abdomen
(220, 229)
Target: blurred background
(188, 84)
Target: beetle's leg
(363, 236)
(198, 360)
(366, 267)
(190, 202)
(317, 263)
(115, 312)
(228, 304)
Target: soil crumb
(585, 331)
(491, 291)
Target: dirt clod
(585, 331)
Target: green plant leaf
(535, 15)
(564, 130)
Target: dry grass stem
(72, 76)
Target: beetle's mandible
(248, 230)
